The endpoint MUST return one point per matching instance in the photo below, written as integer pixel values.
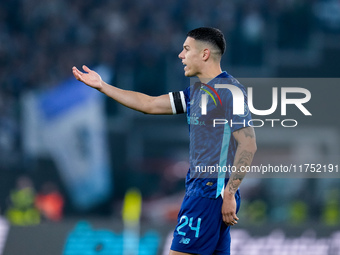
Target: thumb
(86, 69)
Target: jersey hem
(186, 251)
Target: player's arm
(246, 149)
(134, 100)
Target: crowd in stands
(41, 40)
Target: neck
(209, 73)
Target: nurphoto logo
(242, 109)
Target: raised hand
(90, 78)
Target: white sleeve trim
(172, 103)
(183, 101)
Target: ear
(206, 54)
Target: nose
(180, 55)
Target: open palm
(90, 78)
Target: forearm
(243, 157)
(134, 100)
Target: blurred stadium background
(68, 155)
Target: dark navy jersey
(211, 122)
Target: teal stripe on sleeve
(223, 158)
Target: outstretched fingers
(77, 74)
(86, 69)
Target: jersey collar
(222, 75)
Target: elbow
(252, 147)
(145, 112)
(148, 106)
(148, 110)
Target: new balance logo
(184, 240)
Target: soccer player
(220, 141)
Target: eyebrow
(186, 47)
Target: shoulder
(229, 88)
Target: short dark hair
(211, 35)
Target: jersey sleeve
(179, 100)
